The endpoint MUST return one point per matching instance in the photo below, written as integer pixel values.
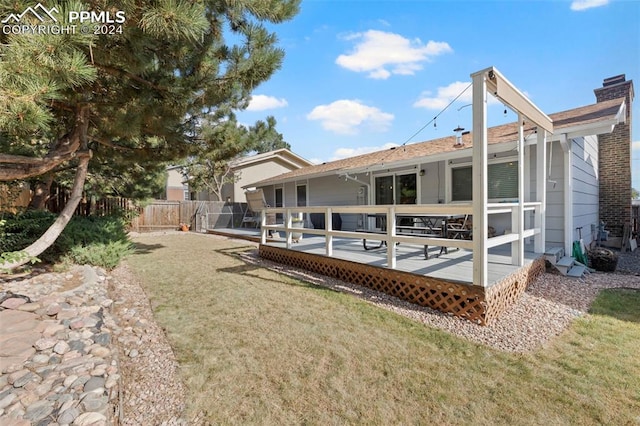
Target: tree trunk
(41, 193)
(50, 236)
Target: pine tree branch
(122, 73)
(23, 167)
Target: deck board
(455, 266)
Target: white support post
(569, 232)
(328, 220)
(517, 247)
(391, 232)
(541, 191)
(289, 222)
(479, 167)
(263, 230)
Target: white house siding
(555, 197)
(585, 185)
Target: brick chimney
(615, 159)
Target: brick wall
(615, 159)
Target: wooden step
(577, 271)
(554, 254)
(566, 261)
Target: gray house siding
(432, 184)
(555, 197)
(585, 185)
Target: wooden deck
(455, 266)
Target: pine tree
(132, 97)
(211, 168)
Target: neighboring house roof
(582, 121)
(283, 155)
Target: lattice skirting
(466, 301)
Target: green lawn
(258, 347)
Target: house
(177, 187)
(539, 183)
(246, 171)
(253, 168)
(588, 161)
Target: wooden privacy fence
(199, 215)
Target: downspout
(348, 177)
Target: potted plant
(296, 223)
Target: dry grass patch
(259, 347)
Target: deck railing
(529, 227)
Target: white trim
(568, 199)
(479, 167)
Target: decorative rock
(7, 400)
(76, 324)
(57, 365)
(87, 419)
(102, 338)
(29, 307)
(16, 375)
(69, 380)
(76, 345)
(40, 359)
(95, 402)
(13, 303)
(94, 383)
(61, 347)
(46, 343)
(53, 309)
(29, 377)
(133, 353)
(80, 381)
(68, 416)
(38, 410)
(100, 351)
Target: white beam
(507, 93)
(328, 221)
(541, 191)
(391, 233)
(479, 170)
(517, 247)
(568, 201)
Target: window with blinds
(502, 182)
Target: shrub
(106, 255)
(96, 240)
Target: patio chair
(256, 203)
(460, 229)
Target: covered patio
(477, 276)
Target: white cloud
(264, 102)
(348, 116)
(447, 94)
(341, 153)
(382, 54)
(579, 5)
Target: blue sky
(363, 75)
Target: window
(301, 196)
(279, 197)
(502, 182)
(396, 189)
